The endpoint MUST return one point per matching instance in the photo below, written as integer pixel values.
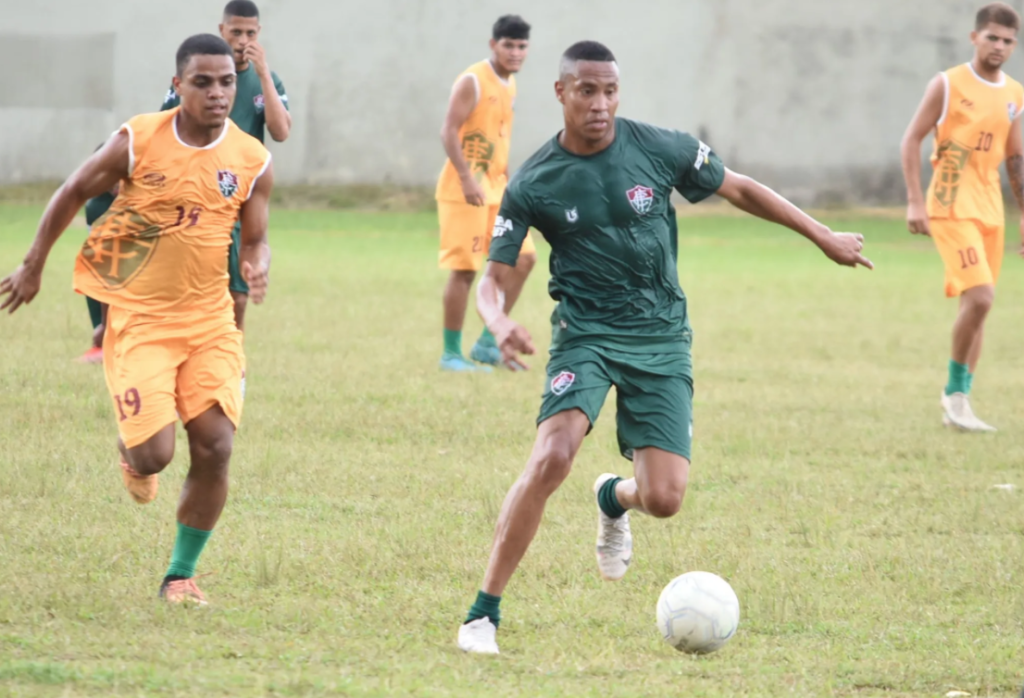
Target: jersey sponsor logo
(562, 382)
(572, 215)
(258, 102)
(1011, 109)
(228, 183)
(952, 158)
(154, 179)
(122, 250)
(641, 198)
(966, 104)
(478, 151)
(501, 226)
(703, 153)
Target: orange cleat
(182, 591)
(93, 356)
(142, 488)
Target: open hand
(258, 278)
(845, 248)
(513, 340)
(20, 287)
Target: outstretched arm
(756, 199)
(97, 175)
(925, 120)
(511, 337)
(254, 252)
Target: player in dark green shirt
(599, 194)
(261, 104)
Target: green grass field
(869, 550)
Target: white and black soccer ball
(698, 612)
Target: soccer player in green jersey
(260, 104)
(599, 193)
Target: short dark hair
(997, 13)
(589, 51)
(510, 27)
(241, 8)
(201, 45)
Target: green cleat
(459, 364)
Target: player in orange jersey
(477, 133)
(157, 259)
(974, 112)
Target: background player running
(157, 260)
(974, 111)
(599, 193)
(261, 105)
(477, 133)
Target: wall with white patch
(810, 96)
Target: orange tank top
(485, 136)
(970, 144)
(162, 247)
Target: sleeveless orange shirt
(970, 144)
(162, 247)
(486, 137)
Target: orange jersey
(970, 144)
(162, 248)
(486, 136)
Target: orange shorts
(972, 252)
(158, 370)
(466, 235)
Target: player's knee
(981, 298)
(664, 503)
(150, 459)
(552, 465)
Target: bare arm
(756, 199)
(925, 120)
(97, 175)
(1015, 170)
(279, 121)
(460, 106)
(254, 252)
(512, 338)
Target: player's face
(207, 89)
(509, 54)
(590, 99)
(239, 32)
(994, 44)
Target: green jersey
(248, 110)
(613, 234)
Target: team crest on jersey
(1011, 109)
(641, 198)
(258, 102)
(562, 382)
(228, 183)
(952, 158)
(572, 215)
(123, 249)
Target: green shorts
(654, 394)
(236, 284)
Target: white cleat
(957, 413)
(614, 541)
(478, 637)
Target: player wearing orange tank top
(477, 132)
(974, 112)
(157, 257)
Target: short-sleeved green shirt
(613, 234)
(248, 112)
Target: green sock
(485, 606)
(959, 381)
(453, 342)
(487, 339)
(970, 383)
(607, 500)
(187, 548)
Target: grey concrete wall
(812, 96)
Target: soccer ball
(698, 612)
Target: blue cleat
(486, 354)
(459, 364)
